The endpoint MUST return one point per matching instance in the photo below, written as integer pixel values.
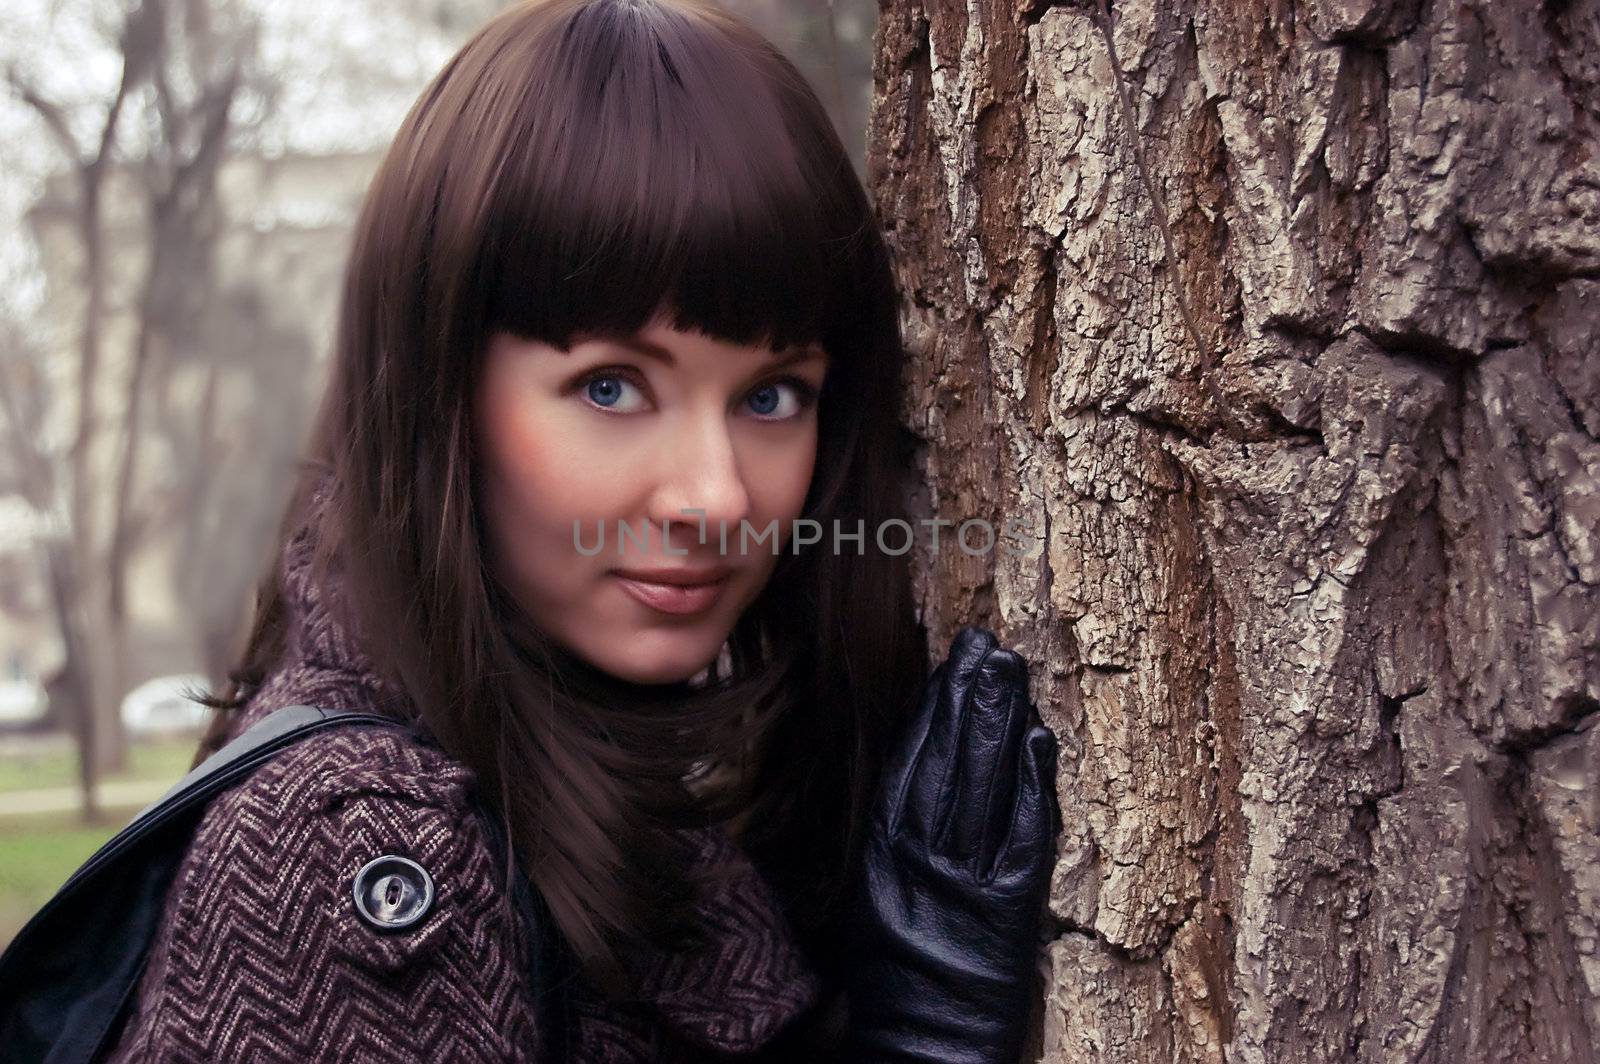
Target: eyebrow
(661, 354)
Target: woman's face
(636, 432)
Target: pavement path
(112, 795)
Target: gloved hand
(958, 858)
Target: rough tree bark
(1276, 322)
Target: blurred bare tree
(173, 116)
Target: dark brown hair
(592, 166)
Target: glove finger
(1004, 788)
(1029, 852)
(929, 793)
(991, 733)
(895, 782)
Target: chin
(634, 672)
(660, 659)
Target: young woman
(615, 270)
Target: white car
(161, 705)
(21, 701)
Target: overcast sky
(349, 68)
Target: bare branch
(53, 116)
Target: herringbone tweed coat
(260, 955)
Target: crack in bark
(1153, 419)
(1575, 713)
(1532, 843)
(1042, 355)
(1411, 343)
(1543, 350)
(1049, 573)
(1102, 17)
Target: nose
(698, 470)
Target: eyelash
(804, 392)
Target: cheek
(779, 479)
(533, 489)
(530, 473)
(778, 485)
(795, 476)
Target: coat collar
(731, 996)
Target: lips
(680, 577)
(675, 591)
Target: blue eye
(767, 398)
(606, 390)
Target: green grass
(151, 759)
(38, 853)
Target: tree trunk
(75, 686)
(102, 742)
(1276, 323)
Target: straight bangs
(652, 174)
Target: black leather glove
(958, 858)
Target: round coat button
(393, 892)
